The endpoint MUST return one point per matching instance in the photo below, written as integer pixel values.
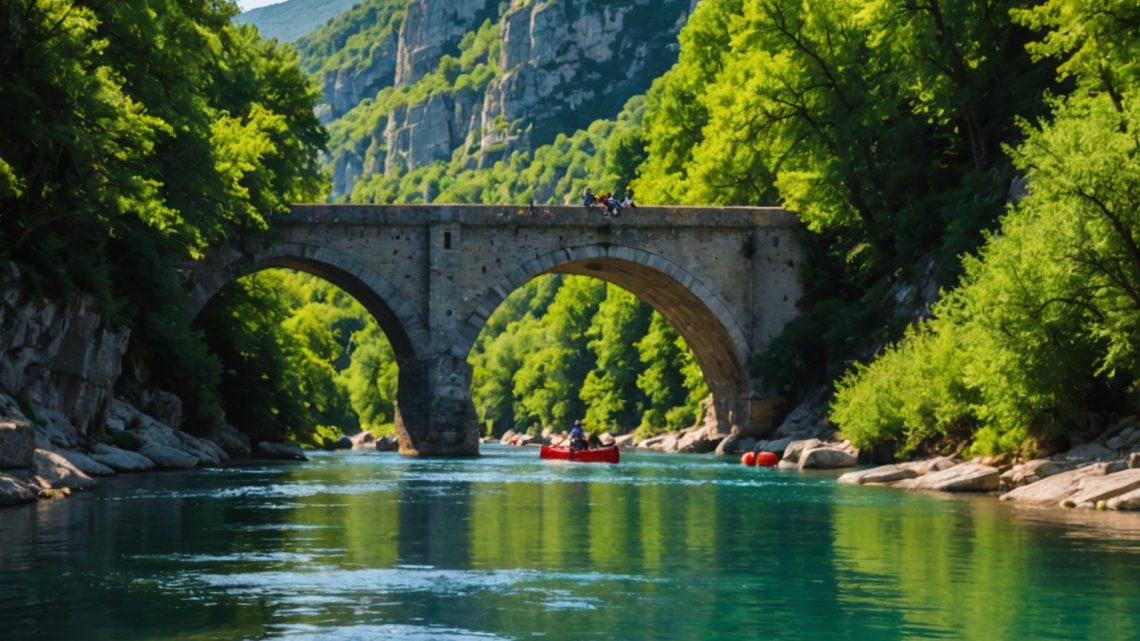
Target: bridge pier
(434, 412)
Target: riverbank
(44, 456)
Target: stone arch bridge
(726, 278)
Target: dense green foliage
(880, 123)
(1045, 326)
(568, 347)
(135, 135)
(299, 358)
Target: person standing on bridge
(588, 198)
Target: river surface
(505, 547)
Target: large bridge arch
(690, 306)
(395, 315)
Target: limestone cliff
(555, 67)
(62, 356)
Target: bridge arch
(395, 315)
(697, 314)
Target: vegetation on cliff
(133, 136)
(1045, 325)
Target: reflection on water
(373, 546)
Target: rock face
(17, 436)
(53, 472)
(62, 357)
(13, 491)
(561, 65)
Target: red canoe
(599, 455)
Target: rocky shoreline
(45, 457)
(1103, 474)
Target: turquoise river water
(508, 547)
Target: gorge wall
(553, 67)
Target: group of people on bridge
(609, 202)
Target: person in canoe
(578, 437)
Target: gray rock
(387, 443)
(778, 446)
(54, 428)
(231, 440)
(363, 441)
(625, 440)
(168, 458)
(1127, 502)
(880, 475)
(1051, 491)
(1031, 472)
(606, 439)
(967, 477)
(794, 448)
(825, 458)
(13, 491)
(281, 451)
(1086, 453)
(1101, 488)
(85, 464)
(17, 436)
(120, 460)
(57, 472)
(61, 355)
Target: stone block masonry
(727, 279)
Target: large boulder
(168, 458)
(967, 477)
(1031, 472)
(282, 451)
(55, 472)
(387, 443)
(120, 460)
(880, 475)
(14, 491)
(363, 441)
(1092, 489)
(826, 458)
(1087, 453)
(793, 449)
(231, 440)
(52, 426)
(17, 436)
(85, 464)
(1051, 491)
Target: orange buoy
(749, 458)
(767, 459)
